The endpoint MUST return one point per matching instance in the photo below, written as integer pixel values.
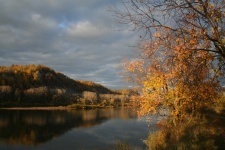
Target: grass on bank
(83, 106)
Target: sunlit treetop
(181, 54)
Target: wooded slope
(40, 85)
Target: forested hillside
(40, 85)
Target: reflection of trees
(32, 127)
(202, 131)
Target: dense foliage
(40, 85)
(30, 76)
(179, 66)
(180, 58)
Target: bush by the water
(199, 132)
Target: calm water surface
(67, 129)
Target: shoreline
(69, 107)
(37, 108)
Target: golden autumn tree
(173, 76)
(182, 52)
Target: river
(70, 129)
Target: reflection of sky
(104, 135)
(88, 129)
(75, 37)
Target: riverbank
(38, 108)
(73, 106)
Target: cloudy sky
(76, 37)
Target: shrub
(123, 145)
(91, 97)
(202, 132)
(5, 93)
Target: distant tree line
(39, 85)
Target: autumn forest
(38, 85)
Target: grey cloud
(75, 37)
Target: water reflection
(33, 127)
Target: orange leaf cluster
(174, 76)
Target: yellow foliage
(175, 77)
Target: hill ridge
(29, 76)
(41, 84)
